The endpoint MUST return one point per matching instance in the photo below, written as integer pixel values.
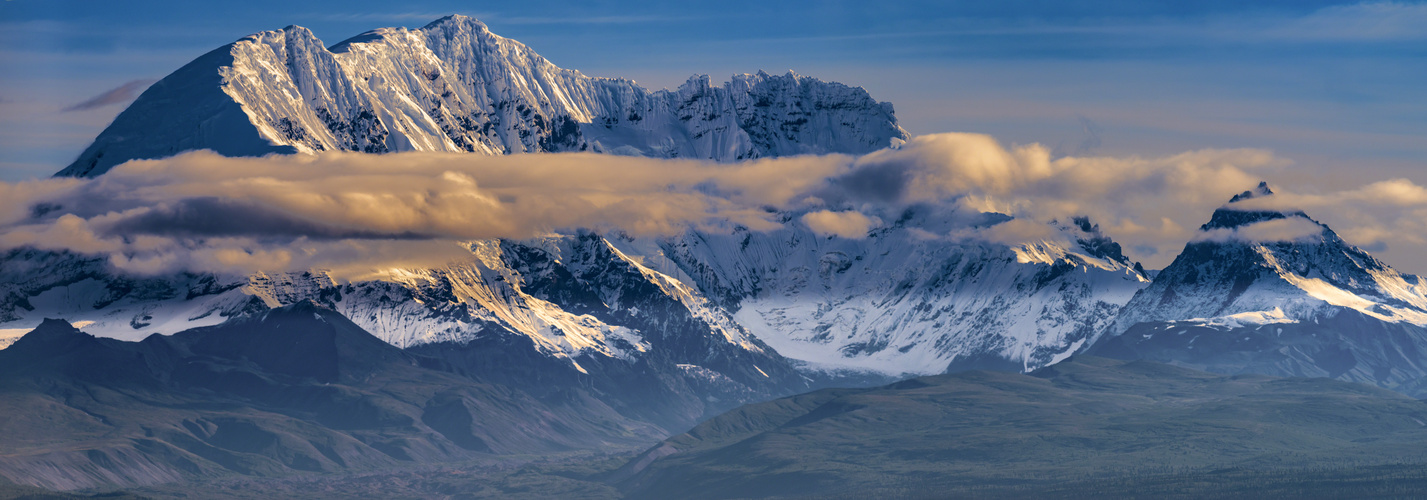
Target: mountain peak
(455, 21)
(302, 339)
(480, 93)
(1095, 242)
(1257, 192)
(1253, 263)
(458, 18)
(697, 82)
(289, 33)
(1231, 217)
(52, 323)
(52, 329)
(52, 337)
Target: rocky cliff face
(455, 86)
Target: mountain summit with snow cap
(455, 86)
(1269, 290)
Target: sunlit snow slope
(902, 300)
(455, 86)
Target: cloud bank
(1387, 217)
(358, 214)
(201, 211)
(1269, 231)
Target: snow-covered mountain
(512, 286)
(455, 86)
(552, 314)
(903, 300)
(742, 313)
(38, 284)
(897, 301)
(1273, 291)
(1274, 265)
(894, 302)
(574, 303)
(667, 331)
(747, 311)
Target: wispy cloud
(1373, 21)
(1368, 21)
(630, 19)
(118, 95)
(402, 17)
(410, 16)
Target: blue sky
(1335, 87)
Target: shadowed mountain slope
(294, 389)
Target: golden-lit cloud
(849, 224)
(203, 211)
(355, 213)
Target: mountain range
(603, 340)
(455, 86)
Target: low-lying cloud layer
(1276, 230)
(356, 213)
(200, 210)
